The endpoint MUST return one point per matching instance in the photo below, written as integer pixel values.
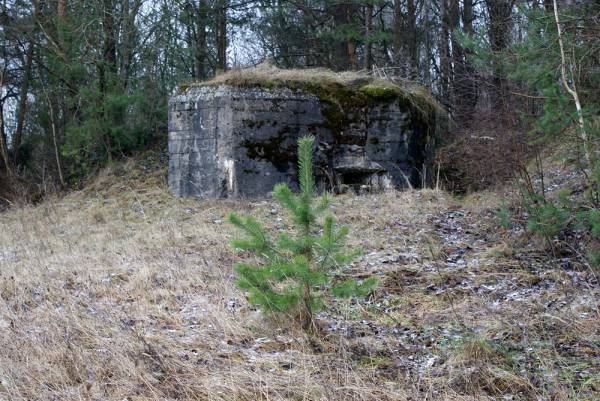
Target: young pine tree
(297, 272)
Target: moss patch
(273, 149)
(379, 92)
(350, 91)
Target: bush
(546, 219)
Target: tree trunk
(460, 76)
(457, 50)
(221, 33)
(351, 43)
(129, 30)
(411, 39)
(62, 10)
(427, 62)
(500, 13)
(572, 89)
(341, 59)
(22, 108)
(398, 37)
(55, 142)
(3, 147)
(445, 63)
(368, 31)
(3, 144)
(110, 37)
(468, 89)
(468, 17)
(201, 53)
(108, 67)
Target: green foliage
(110, 124)
(503, 215)
(534, 65)
(590, 219)
(296, 39)
(546, 219)
(298, 270)
(594, 258)
(549, 217)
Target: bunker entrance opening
(360, 181)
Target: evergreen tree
(297, 271)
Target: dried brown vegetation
(322, 80)
(121, 292)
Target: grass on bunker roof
(327, 84)
(120, 291)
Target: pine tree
(296, 272)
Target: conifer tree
(296, 272)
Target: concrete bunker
(236, 136)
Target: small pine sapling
(297, 271)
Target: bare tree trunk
(468, 88)
(129, 12)
(108, 67)
(411, 38)
(385, 44)
(457, 50)
(398, 37)
(427, 62)
(405, 38)
(62, 10)
(201, 54)
(3, 147)
(110, 36)
(55, 142)
(368, 31)
(351, 48)
(445, 62)
(3, 144)
(351, 43)
(500, 12)
(22, 108)
(460, 76)
(221, 33)
(342, 48)
(572, 89)
(68, 90)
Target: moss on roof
(330, 86)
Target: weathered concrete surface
(238, 142)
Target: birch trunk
(572, 89)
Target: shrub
(546, 219)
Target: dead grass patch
(120, 291)
(268, 76)
(477, 366)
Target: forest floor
(121, 292)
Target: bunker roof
(329, 85)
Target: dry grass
(266, 72)
(268, 75)
(122, 292)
